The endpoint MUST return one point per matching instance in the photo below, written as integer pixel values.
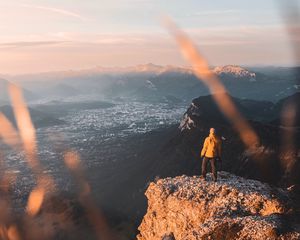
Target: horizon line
(94, 67)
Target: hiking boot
(202, 178)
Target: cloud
(55, 10)
(103, 38)
(216, 12)
(10, 45)
(211, 13)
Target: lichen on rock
(188, 208)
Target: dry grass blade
(3, 232)
(223, 100)
(288, 117)
(25, 126)
(13, 233)
(8, 133)
(28, 139)
(9, 233)
(35, 201)
(72, 161)
(290, 112)
(94, 215)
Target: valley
(142, 130)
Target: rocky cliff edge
(188, 208)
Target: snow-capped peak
(235, 71)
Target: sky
(55, 35)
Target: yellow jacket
(211, 147)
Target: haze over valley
(150, 117)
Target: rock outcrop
(188, 208)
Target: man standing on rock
(210, 152)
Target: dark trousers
(212, 165)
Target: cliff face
(187, 208)
(203, 114)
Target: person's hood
(212, 135)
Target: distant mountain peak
(234, 71)
(149, 67)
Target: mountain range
(4, 95)
(151, 82)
